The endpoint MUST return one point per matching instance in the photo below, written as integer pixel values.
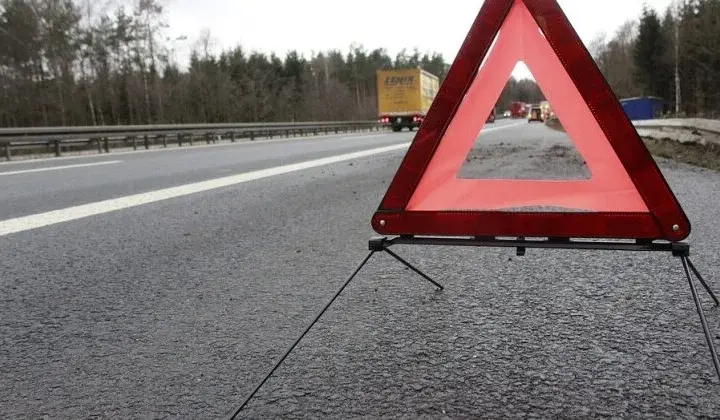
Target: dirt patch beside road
(702, 155)
(705, 156)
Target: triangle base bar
(677, 249)
(501, 223)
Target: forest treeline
(71, 62)
(673, 54)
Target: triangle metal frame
(666, 220)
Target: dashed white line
(58, 168)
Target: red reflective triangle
(627, 197)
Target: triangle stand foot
(292, 347)
(383, 245)
(379, 245)
(677, 249)
(688, 267)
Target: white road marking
(39, 220)
(57, 168)
(35, 221)
(500, 127)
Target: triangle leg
(413, 268)
(703, 321)
(317, 318)
(702, 281)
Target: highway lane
(176, 309)
(146, 171)
(26, 192)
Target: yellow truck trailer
(405, 96)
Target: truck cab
(535, 113)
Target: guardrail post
(190, 138)
(252, 135)
(134, 140)
(287, 133)
(180, 139)
(147, 142)
(7, 151)
(164, 139)
(57, 148)
(232, 137)
(107, 145)
(270, 134)
(207, 138)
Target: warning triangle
(626, 197)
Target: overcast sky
(318, 25)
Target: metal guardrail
(683, 130)
(103, 138)
(56, 140)
(690, 124)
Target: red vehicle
(518, 110)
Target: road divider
(59, 140)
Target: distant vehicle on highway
(507, 114)
(405, 96)
(535, 114)
(546, 110)
(517, 110)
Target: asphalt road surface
(166, 284)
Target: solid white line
(35, 221)
(57, 168)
